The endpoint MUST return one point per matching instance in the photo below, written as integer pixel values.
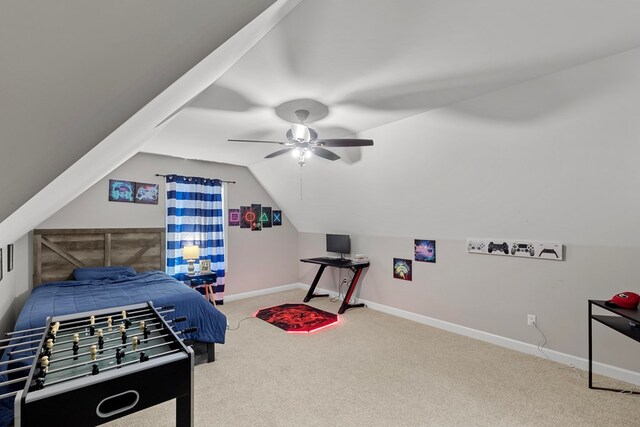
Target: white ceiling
(375, 62)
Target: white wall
(16, 284)
(552, 159)
(256, 259)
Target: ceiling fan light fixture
(300, 132)
(295, 153)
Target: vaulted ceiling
(75, 73)
(373, 63)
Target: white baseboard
(564, 358)
(260, 292)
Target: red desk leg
(352, 287)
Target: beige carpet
(374, 369)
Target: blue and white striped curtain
(195, 217)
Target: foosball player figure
(119, 355)
(146, 333)
(94, 352)
(92, 328)
(100, 340)
(94, 369)
(143, 357)
(48, 348)
(127, 322)
(109, 323)
(76, 345)
(44, 366)
(123, 334)
(134, 343)
(53, 331)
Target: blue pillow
(99, 273)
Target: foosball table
(91, 368)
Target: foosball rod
(108, 368)
(6, 395)
(125, 345)
(19, 344)
(132, 327)
(89, 362)
(58, 344)
(143, 316)
(17, 380)
(11, 371)
(40, 328)
(68, 334)
(7, 362)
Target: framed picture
(146, 193)
(265, 218)
(205, 266)
(402, 269)
(425, 250)
(234, 217)
(121, 191)
(256, 210)
(9, 258)
(246, 217)
(277, 217)
(1, 269)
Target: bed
(63, 256)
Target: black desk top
(337, 262)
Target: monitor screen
(338, 243)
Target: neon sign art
(234, 217)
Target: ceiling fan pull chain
(300, 182)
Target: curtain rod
(221, 180)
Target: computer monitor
(339, 243)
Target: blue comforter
(59, 298)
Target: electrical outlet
(531, 319)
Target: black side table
(206, 280)
(619, 322)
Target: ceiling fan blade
(344, 142)
(325, 154)
(257, 140)
(278, 153)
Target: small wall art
(246, 217)
(121, 191)
(265, 218)
(402, 269)
(517, 248)
(1, 264)
(425, 250)
(256, 210)
(234, 217)
(146, 193)
(276, 218)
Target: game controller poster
(402, 269)
(424, 250)
(517, 248)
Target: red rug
(297, 318)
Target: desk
(324, 262)
(208, 280)
(619, 322)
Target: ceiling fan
(303, 141)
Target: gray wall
(494, 294)
(74, 71)
(256, 259)
(553, 159)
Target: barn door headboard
(57, 252)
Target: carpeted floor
(374, 369)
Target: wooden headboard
(57, 252)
